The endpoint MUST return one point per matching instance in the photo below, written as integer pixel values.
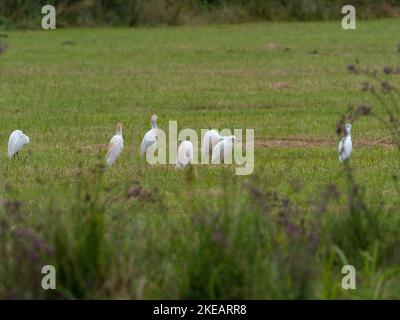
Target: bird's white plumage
(115, 147)
(185, 154)
(210, 140)
(150, 138)
(222, 150)
(16, 142)
(345, 145)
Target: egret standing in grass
(150, 138)
(116, 145)
(345, 145)
(222, 149)
(185, 154)
(210, 140)
(16, 142)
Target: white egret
(224, 147)
(150, 138)
(116, 145)
(210, 140)
(345, 145)
(185, 154)
(16, 142)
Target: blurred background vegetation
(89, 13)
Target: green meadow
(138, 231)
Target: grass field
(200, 233)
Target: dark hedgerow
(27, 13)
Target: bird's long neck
(154, 125)
(119, 129)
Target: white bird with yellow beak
(150, 138)
(16, 142)
(345, 145)
(222, 152)
(116, 145)
(185, 154)
(210, 140)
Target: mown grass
(136, 231)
